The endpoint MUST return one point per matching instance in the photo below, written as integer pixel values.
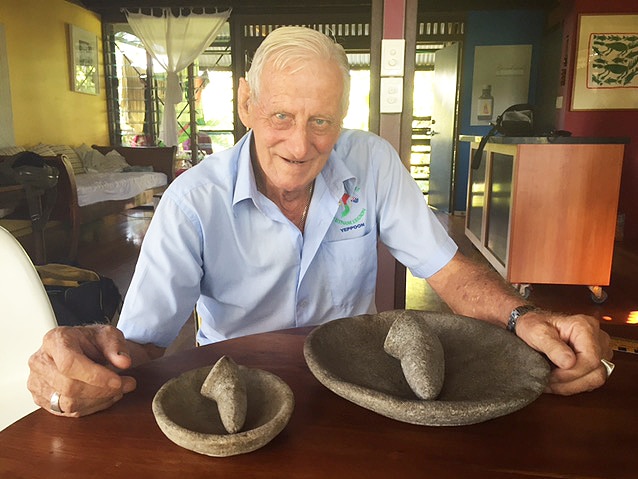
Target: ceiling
(110, 10)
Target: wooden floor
(111, 247)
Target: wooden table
(592, 435)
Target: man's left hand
(574, 344)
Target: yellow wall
(44, 107)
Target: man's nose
(299, 142)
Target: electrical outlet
(392, 57)
(391, 95)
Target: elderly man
(281, 231)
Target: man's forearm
(470, 289)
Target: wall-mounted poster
(500, 79)
(84, 61)
(606, 73)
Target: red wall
(608, 122)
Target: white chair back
(25, 316)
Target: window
(132, 88)
(136, 87)
(136, 84)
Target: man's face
(295, 121)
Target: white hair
(286, 46)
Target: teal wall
(516, 27)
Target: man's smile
(293, 162)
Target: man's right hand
(78, 363)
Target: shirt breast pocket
(351, 269)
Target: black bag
(38, 178)
(79, 296)
(516, 120)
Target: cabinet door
(564, 213)
(476, 198)
(499, 205)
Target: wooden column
(398, 21)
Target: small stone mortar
(201, 422)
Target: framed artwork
(606, 73)
(84, 61)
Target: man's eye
(281, 121)
(320, 123)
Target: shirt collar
(335, 173)
(245, 185)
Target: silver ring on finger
(55, 403)
(609, 366)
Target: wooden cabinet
(545, 212)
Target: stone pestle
(225, 385)
(420, 351)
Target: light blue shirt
(217, 242)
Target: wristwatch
(517, 313)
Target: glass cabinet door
(476, 200)
(500, 203)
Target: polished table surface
(591, 435)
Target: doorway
(438, 36)
(444, 127)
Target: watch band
(517, 313)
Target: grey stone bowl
(192, 421)
(489, 372)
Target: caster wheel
(525, 290)
(599, 298)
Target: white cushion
(11, 150)
(72, 156)
(112, 162)
(82, 151)
(96, 187)
(42, 149)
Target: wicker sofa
(72, 209)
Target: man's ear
(243, 98)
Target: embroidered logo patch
(350, 214)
